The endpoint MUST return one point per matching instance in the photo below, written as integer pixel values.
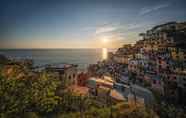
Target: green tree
(43, 91)
(14, 96)
(18, 96)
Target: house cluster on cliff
(158, 61)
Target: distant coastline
(82, 57)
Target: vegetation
(170, 111)
(22, 95)
(116, 111)
(38, 95)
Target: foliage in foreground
(111, 112)
(36, 97)
(18, 96)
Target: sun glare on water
(104, 53)
(104, 49)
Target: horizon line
(47, 48)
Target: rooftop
(117, 95)
(102, 81)
(60, 66)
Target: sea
(81, 57)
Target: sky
(82, 23)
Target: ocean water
(81, 57)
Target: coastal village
(157, 63)
(151, 70)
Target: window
(122, 88)
(74, 75)
(154, 81)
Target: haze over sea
(82, 57)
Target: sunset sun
(105, 39)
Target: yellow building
(178, 54)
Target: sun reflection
(104, 53)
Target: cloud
(105, 29)
(147, 10)
(117, 33)
(133, 26)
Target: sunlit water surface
(82, 57)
